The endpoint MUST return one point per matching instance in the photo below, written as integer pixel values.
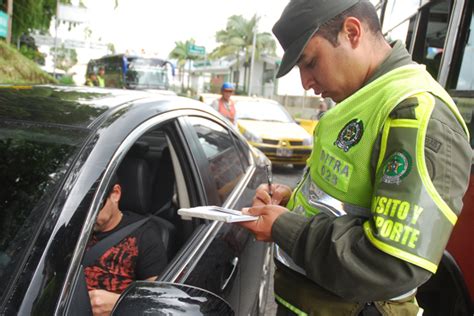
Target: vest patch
(397, 167)
(334, 170)
(432, 144)
(396, 220)
(350, 135)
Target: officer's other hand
(102, 302)
(267, 214)
(280, 195)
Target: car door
(232, 264)
(213, 254)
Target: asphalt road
(289, 176)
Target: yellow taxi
(308, 124)
(268, 126)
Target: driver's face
(226, 94)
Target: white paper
(215, 213)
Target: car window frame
(75, 265)
(201, 237)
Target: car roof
(240, 98)
(73, 106)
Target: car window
(225, 165)
(466, 76)
(34, 159)
(262, 111)
(243, 151)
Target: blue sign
(3, 24)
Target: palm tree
(237, 37)
(181, 53)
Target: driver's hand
(102, 302)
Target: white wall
(290, 84)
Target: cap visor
(293, 53)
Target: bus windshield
(146, 73)
(130, 72)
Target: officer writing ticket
(215, 213)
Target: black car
(60, 147)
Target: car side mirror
(160, 298)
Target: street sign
(196, 50)
(201, 63)
(3, 24)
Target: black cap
(298, 23)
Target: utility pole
(252, 60)
(56, 25)
(10, 18)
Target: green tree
(65, 58)
(31, 15)
(111, 48)
(237, 38)
(181, 53)
(29, 49)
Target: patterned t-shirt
(139, 256)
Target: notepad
(215, 213)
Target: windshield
(147, 73)
(262, 111)
(34, 158)
(147, 78)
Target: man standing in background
(224, 105)
(101, 77)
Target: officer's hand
(267, 214)
(280, 195)
(102, 302)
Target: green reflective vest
(101, 81)
(404, 211)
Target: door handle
(234, 264)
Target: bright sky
(155, 25)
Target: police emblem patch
(397, 167)
(350, 135)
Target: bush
(67, 80)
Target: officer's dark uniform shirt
(361, 272)
(139, 256)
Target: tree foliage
(237, 38)
(32, 15)
(29, 49)
(181, 53)
(65, 58)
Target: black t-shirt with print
(138, 256)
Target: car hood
(273, 130)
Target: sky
(155, 25)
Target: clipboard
(215, 213)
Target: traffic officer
(101, 77)
(224, 104)
(368, 222)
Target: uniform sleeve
(152, 257)
(336, 253)
(448, 157)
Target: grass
(17, 69)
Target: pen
(268, 169)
